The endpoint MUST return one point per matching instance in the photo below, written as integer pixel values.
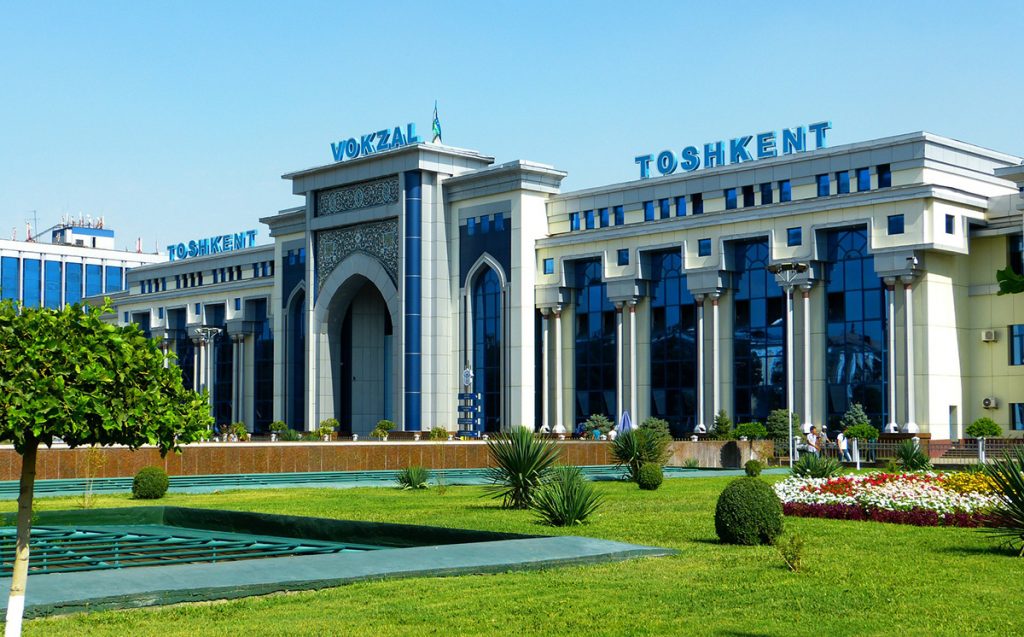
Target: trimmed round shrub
(150, 484)
(753, 468)
(984, 428)
(650, 476)
(748, 512)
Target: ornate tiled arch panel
(378, 239)
(378, 192)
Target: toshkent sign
(212, 245)
(740, 149)
(375, 142)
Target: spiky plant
(521, 463)
(636, 447)
(811, 465)
(1008, 475)
(413, 477)
(910, 456)
(567, 498)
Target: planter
(327, 438)
(416, 436)
(355, 437)
(273, 437)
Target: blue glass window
(856, 345)
(794, 236)
(160, 313)
(549, 266)
(51, 284)
(574, 221)
(950, 224)
(1016, 344)
(595, 360)
(884, 176)
(31, 279)
(588, 216)
(673, 344)
(295, 381)
(471, 226)
(843, 182)
(238, 304)
(766, 194)
(127, 318)
(823, 185)
(648, 211)
(10, 279)
(620, 216)
(748, 196)
(623, 256)
(730, 199)
(93, 280)
(895, 224)
(487, 348)
(681, 206)
(499, 222)
(113, 278)
(1017, 416)
(697, 203)
(223, 364)
(603, 212)
(863, 179)
(72, 283)
(759, 320)
(485, 224)
(666, 208)
(199, 310)
(785, 191)
(263, 365)
(703, 247)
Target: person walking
(812, 441)
(843, 444)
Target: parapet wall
(300, 457)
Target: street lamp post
(207, 336)
(787, 274)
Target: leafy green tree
(67, 375)
(1009, 281)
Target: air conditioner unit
(989, 336)
(990, 403)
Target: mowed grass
(859, 578)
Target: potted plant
(327, 427)
(382, 429)
(751, 431)
(598, 425)
(982, 428)
(238, 431)
(276, 429)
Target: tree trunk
(16, 602)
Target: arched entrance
(487, 345)
(364, 372)
(295, 355)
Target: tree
(1009, 281)
(68, 375)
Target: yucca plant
(566, 498)
(413, 477)
(636, 447)
(811, 465)
(911, 458)
(521, 463)
(1008, 475)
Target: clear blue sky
(176, 120)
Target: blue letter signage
(741, 149)
(375, 142)
(212, 245)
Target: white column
(807, 356)
(619, 346)
(891, 293)
(701, 427)
(559, 427)
(197, 354)
(632, 363)
(312, 353)
(911, 426)
(716, 404)
(545, 371)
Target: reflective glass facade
(93, 280)
(222, 364)
(296, 368)
(595, 344)
(759, 319)
(10, 278)
(51, 284)
(112, 278)
(856, 347)
(73, 283)
(673, 344)
(487, 348)
(263, 367)
(31, 279)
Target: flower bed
(921, 499)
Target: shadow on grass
(737, 633)
(1000, 549)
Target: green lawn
(860, 578)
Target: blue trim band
(413, 300)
